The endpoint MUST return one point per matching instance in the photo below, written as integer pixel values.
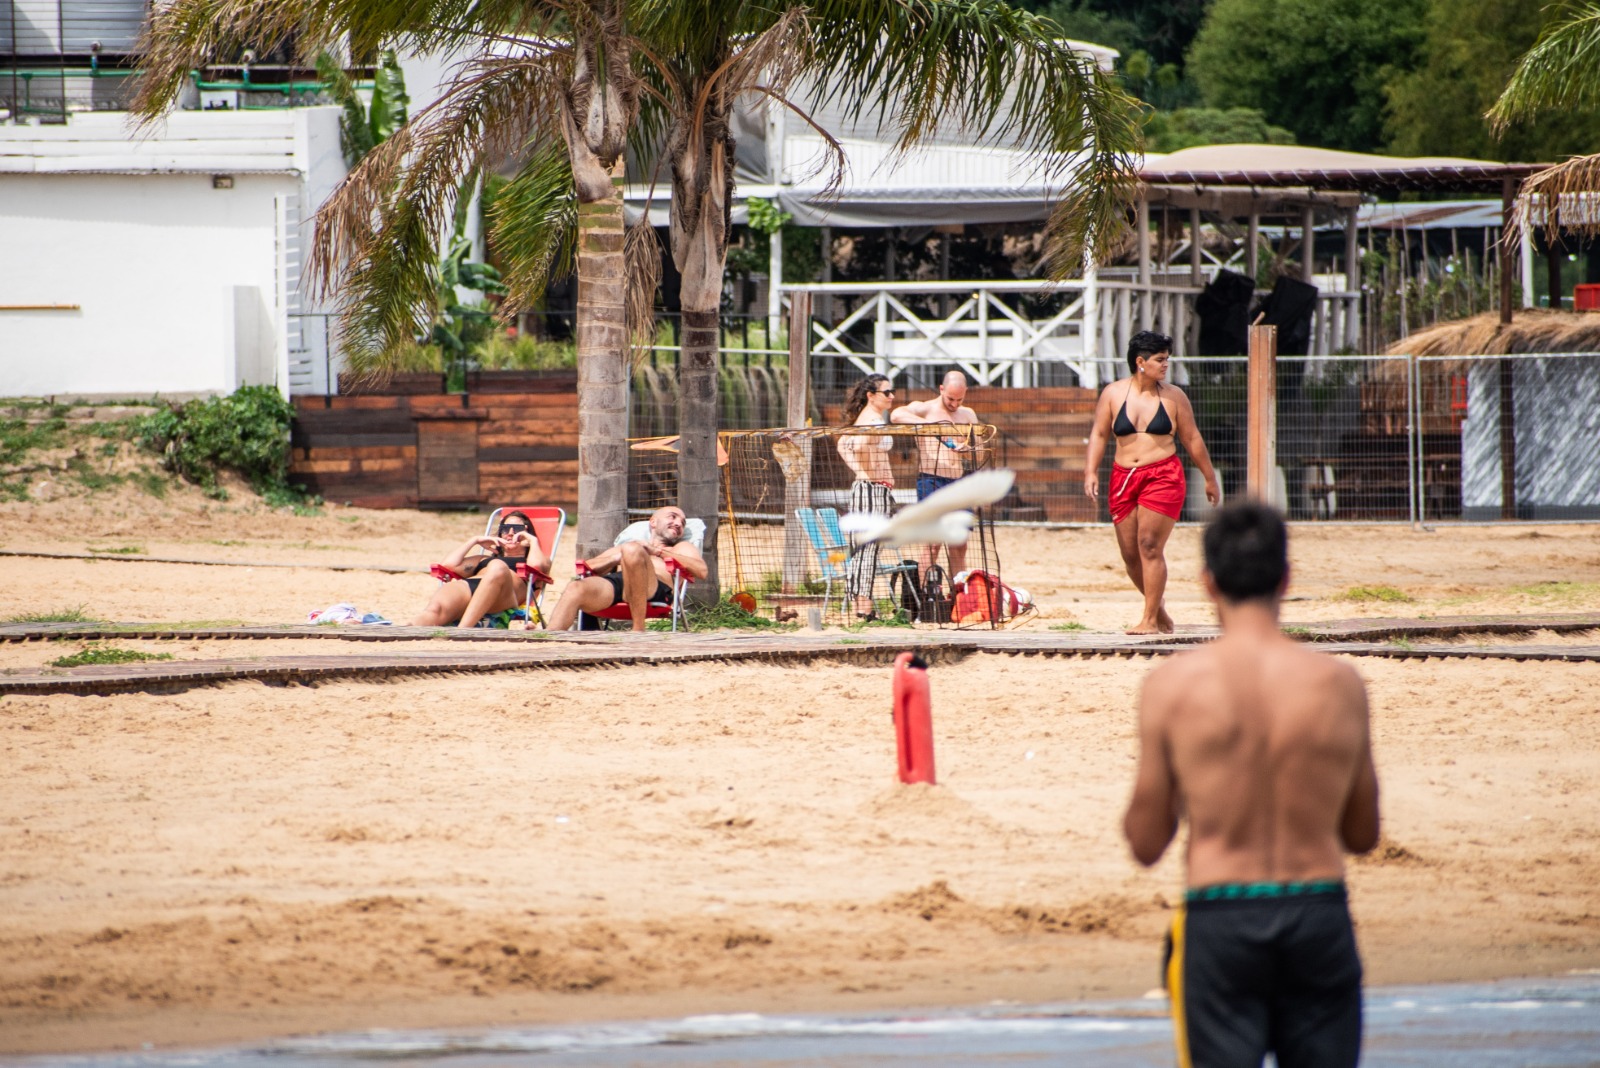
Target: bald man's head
(953, 391)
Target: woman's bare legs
(1142, 540)
(498, 589)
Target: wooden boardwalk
(486, 650)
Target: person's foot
(1164, 622)
(1145, 627)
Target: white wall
(152, 260)
(175, 279)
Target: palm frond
(354, 128)
(187, 34)
(641, 256)
(1004, 77)
(1560, 72)
(533, 226)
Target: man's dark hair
(1247, 551)
(1146, 343)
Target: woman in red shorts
(1147, 417)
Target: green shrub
(76, 614)
(106, 655)
(501, 353)
(247, 432)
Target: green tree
(1559, 73)
(1470, 50)
(548, 84)
(1169, 131)
(1163, 28)
(1315, 67)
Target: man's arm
(687, 556)
(1152, 818)
(1359, 823)
(915, 412)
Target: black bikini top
(1160, 423)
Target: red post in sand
(913, 719)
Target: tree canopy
(1316, 67)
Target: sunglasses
(512, 528)
(885, 392)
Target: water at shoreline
(1533, 1023)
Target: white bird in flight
(944, 518)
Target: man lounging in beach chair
(495, 569)
(637, 572)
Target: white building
(164, 260)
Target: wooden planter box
(522, 381)
(400, 384)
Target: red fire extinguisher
(913, 719)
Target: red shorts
(1159, 487)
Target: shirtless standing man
(1264, 746)
(939, 457)
(634, 572)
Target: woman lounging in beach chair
(495, 568)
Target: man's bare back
(1264, 748)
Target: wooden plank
(363, 452)
(525, 453)
(551, 467)
(447, 460)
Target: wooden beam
(797, 479)
(1261, 433)
(1251, 264)
(1196, 275)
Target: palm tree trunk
(698, 474)
(602, 374)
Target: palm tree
(1560, 72)
(547, 82)
(1001, 74)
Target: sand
(240, 861)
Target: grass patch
(1073, 625)
(1561, 592)
(60, 615)
(118, 550)
(105, 654)
(1296, 631)
(725, 615)
(150, 482)
(1402, 644)
(1386, 594)
(851, 641)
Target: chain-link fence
(1507, 437)
(784, 491)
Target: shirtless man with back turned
(1264, 746)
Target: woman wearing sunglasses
(867, 455)
(489, 566)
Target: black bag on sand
(936, 601)
(910, 590)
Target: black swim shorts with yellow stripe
(1258, 967)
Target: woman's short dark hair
(1146, 343)
(1246, 547)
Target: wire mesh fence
(780, 545)
(1507, 437)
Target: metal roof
(1273, 166)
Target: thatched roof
(1531, 331)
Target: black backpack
(936, 602)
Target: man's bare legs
(638, 580)
(1142, 539)
(632, 561)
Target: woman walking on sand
(1147, 485)
(867, 455)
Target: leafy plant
(59, 615)
(1070, 625)
(1374, 593)
(118, 550)
(97, 654)
(247, 432)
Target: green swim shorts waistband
(1258, 891)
